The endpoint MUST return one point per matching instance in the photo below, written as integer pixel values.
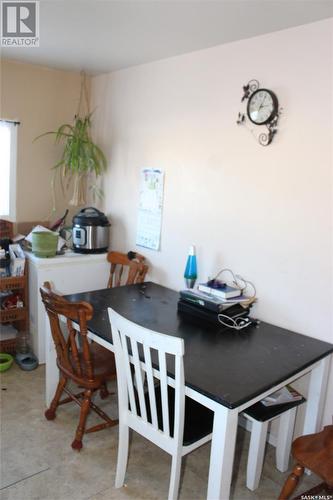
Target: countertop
(68, 256)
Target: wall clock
(262, 109)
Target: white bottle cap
(192, 250)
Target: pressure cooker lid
(90, 216)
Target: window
(8, 145)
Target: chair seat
(315, 452)
(103, 361)
(198, 419)
(262, 413)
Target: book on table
(222, 292)
(241, 299)
(196, 312)
(207, 301)
(285, 395)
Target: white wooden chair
(157, 411)
(260, 417)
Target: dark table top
(229, 366)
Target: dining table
(226, 370)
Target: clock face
(262, 106)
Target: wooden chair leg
(292, 482)
(50, 413)
(103, 392)
(85, 407)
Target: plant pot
(44, 243)
(79, 192)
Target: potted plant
(81, 159)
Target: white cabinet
(69, 273)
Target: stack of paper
(285, 395)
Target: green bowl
(6, 361)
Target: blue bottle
(190, 273)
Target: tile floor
(37, 462)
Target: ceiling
(105, 35)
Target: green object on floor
(6, 361)
(44, 243)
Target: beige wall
(41, 99)
(265, 212)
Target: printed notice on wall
(150, 209)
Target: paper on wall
(150, 208)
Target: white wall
(265, 212)
(41, 99)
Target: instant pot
(90, 231)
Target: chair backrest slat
(128, 372)
(142, 356)
(164, 391)
(151, 386)
(139, 380)
(118, 279)
(180, 415)
(73, 349)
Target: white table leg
(284, 439)
(52, 372)
(316, 396)
(222, 453)
(255, 457)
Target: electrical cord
(235, 323)
(238, 282)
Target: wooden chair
(89, 366)
(135, 264)
(159, 412)
(313, 452)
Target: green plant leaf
(80, 155)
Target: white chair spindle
(139, 380)
(129, 376)
(164, 392)
(151, 386)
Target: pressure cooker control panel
(79, 236)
